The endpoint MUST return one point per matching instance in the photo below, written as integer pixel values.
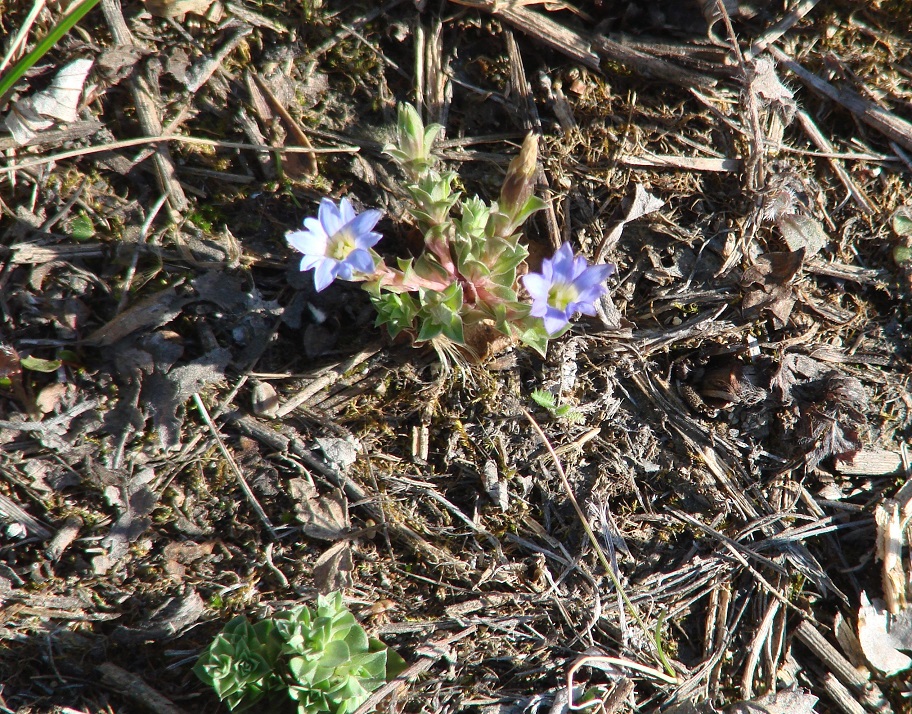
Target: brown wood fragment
(137, 690)
(841, 696)
(780, 28)
(858, 681)
(63, 538)
(684, 163)
(870, 462)
(889, 553)
(651, 67)
(147, 110)
(542, 28)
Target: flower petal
(555, 320)
(307, 242)
(314, 226)
(587, 307)
(562, 263)
(360, 260)
(343, 270)
(362, 224)
(537, 285)
(324, 273)
(311, 261)
(593, 276)
(346, 211)
(330, 217)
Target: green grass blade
(42, 48)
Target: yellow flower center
(562, 294)
(341, 245)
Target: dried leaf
(50, 397)
(333, 569)
(340, 453)
(640, 204)
(789, 701)
(765, 84)
(768, 288)
(496, 488)
(183, 553)
(324, 517)
(154, 311)
(264, 400)
(134, 500)
(802, 232)
(880, 645)
(793, 370)
(177, 8)
(164, 392)
(59, 101)
(824, 437)
(166, 621)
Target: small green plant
(545, 399)
(472, 274)
(301, 660)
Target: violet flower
(337, 243)
(566, 285)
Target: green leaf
(335, 654)
(82, 228)
(356, 639)
(36, 364)
(371, 665)
(531, 206)
(544, 398)
(395, 310)
(537, 338)
(395, 665)
(902, 254)
(302, 670)
(902, 221)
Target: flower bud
(411, 133)
(520, 180)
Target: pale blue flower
(337, 243)
(566, 285)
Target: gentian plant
(467, 277)
(302, 660)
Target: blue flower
(337, 243)
(566, 285)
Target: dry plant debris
(189, 431)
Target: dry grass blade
(143, 140)
(890, 125)
(242, 482)
(655, 647)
